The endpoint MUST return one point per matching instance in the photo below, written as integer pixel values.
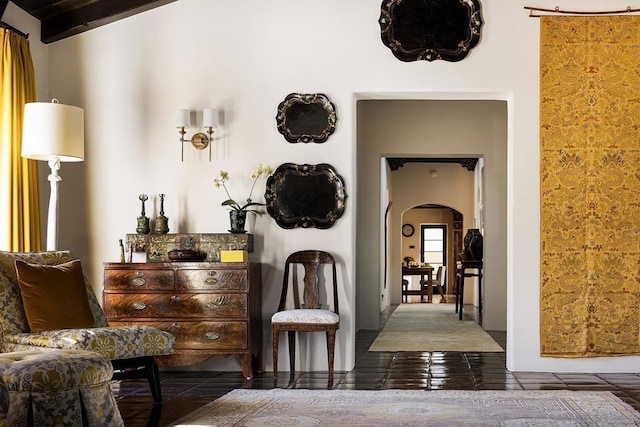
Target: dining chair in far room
(405, 288)
(439, 283)
(309, 315)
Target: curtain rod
(572, 12)
(12, 28)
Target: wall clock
(407, 230)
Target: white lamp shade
(183, 119)
(53, 130)
(209, 117)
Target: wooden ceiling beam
(89, 15)
(3, 7)
(469, 163)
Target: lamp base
(52, 218)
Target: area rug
(280, 407)
(432, 327)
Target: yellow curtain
(19, 194)
(590, 186)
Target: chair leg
(331, 345)
(292, 351)
(274, 343)
(154, 380)
(439, 290)
(456, 291)
(139, 367)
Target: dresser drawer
(204, 335)
(176, 305)
(208, 335)
(213, 279)
(138, 280)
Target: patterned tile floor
(184, 392)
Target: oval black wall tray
(430, 29)
(306, 117)
(305, 196)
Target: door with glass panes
(433, 244)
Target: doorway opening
(439, 129)
(437, 242)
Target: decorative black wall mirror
(306, 117)
(430, 29)
(305, 196)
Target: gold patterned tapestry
(590, 186)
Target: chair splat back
(311, 260)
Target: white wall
(244, 57)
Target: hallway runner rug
(432, 327)
(459, 408)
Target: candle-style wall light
(199, 140)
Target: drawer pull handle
(212, 273)
(217, 303)
(138, 282)
(175, 298)
(212, 336)
(139, 305)
(176, 326)
(211, 280)
(139, 273)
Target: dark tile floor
(184, 392)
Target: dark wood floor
(184, 392)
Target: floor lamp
(53, 132)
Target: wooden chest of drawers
(212, 308)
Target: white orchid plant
(262, 170)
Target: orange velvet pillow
(54, 296)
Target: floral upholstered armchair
(131, 349)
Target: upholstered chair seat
(306, 315)
(114, 342)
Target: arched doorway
(440, 219)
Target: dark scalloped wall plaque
(305, 196)
(430, 29)
(306, 117)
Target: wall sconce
(200, 140)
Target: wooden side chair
(308, 316)
(405, 289)
(439, 283)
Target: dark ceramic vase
(237, 219)
(162, 225)
(143, 225)
(473, 245)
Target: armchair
(131, 349)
